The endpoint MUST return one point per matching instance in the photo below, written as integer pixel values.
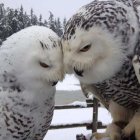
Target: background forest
(13, 20)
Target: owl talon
(124, 135)
(97, 136)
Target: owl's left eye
(86, 48)
(44, 65)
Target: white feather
(20, 59)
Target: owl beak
(79, 72)
(54, 83)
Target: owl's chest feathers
(27, 101)
(30, 111)
(31, 118)
(122, 87)
(37, 99)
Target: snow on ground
(69, 83)
(78, 103)
(74, 116)
(65, 134)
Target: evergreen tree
(51, 22)
(64, 23)
(40, 20)
(31, 15)
(45, 23)
(34, 19)
(6, 29)
(58, 27)
(13, 20)
(1, 11)
(26, 20)
(2, 20)
(21, 18)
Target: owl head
(93, 55)
(34, 55)
(92, 51)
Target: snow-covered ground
(69, 83)
(73, 115)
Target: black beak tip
(78, 72)
(54, 83)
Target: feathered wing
(136, 61)
(92, 88)
(136, 57)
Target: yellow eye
(43, 65)
(86, 48)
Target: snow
(69, 116)
(65, 134)
(69, 83)
(78, 103)
(74, 116)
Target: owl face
(45, 64)
(34, 55)
(92, 55)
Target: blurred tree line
(13, 20)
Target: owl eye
(86, 48)
(42, 64)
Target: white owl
(99, 44)
(30, 66)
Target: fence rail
(74, 125)
(89, 103)
(59, 107)
(92, 126)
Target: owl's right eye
(85, 48)
(44, 65)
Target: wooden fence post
(94, 120)
(95, 115)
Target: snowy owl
(101, 47)
(31, 64)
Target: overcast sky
(60, 8)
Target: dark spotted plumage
(19, 119)
(120, 18)
(110, 67)
(123, 88)
(105, 14)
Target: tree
(51, 22)
(21, 18)
(1, 10)
(6, 21)
(40, 20)
(31, 15)
(64, 23)
(45, 23)
(34, 20)
(13, 20)
(58, 27)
